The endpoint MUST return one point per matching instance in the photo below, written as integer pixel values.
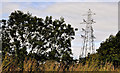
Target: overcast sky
(106, 16)
(59, 0)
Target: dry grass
(32, 65)
(0, 65)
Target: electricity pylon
(88, 36)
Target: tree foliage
(109, 50)
(43, 38)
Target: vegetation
(30, 44)
(45, 39)
(31, 64)
(109, 51)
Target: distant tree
(109, 50)
(24, 31)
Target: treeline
(109, 50)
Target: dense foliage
(109, 50)
(44, 39)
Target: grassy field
(30, 64)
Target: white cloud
(39, 10)
(0, 10)
(60, 0)
(7, 8)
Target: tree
(24, 31)
(109, 50)
(54, 55)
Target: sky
(59, 0)
(106, 15)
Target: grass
(51, 65)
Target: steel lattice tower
(88, 36)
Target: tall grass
(30, 64)
(0, 65)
